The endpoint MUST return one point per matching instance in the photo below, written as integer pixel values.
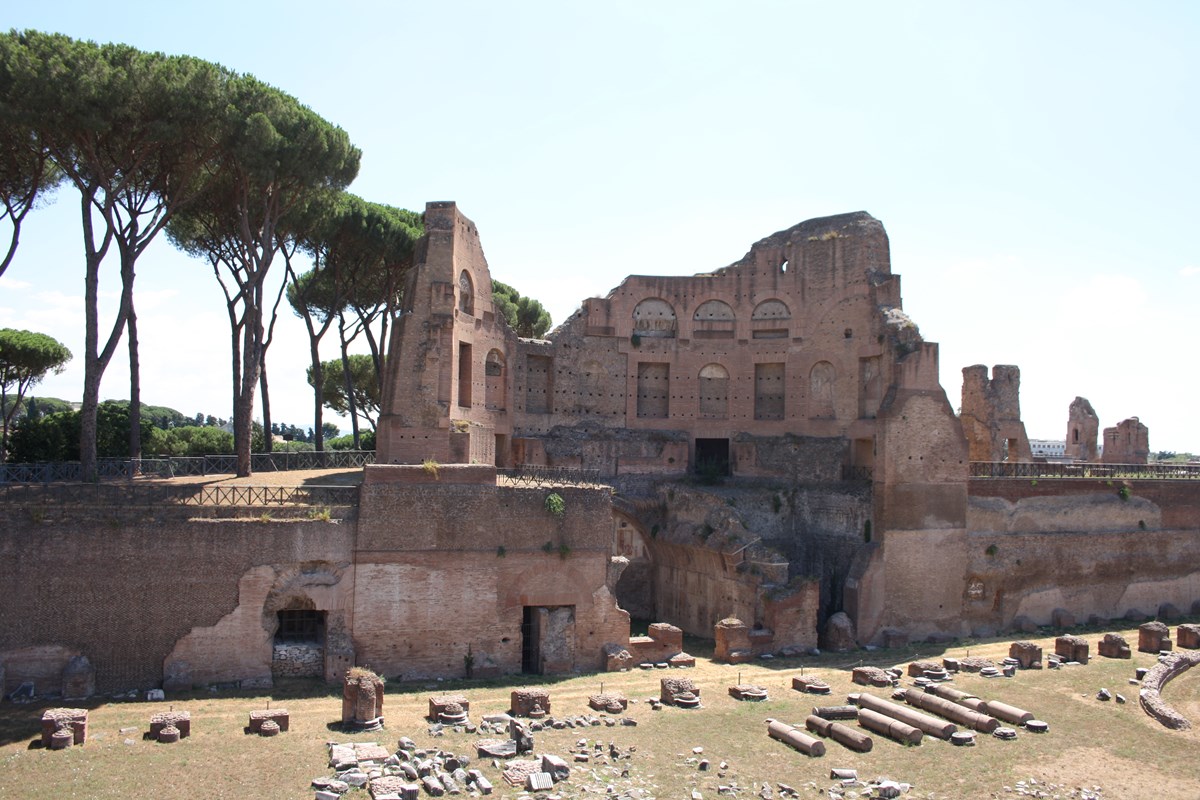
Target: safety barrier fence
(118, 495)
(1018, 469)
(532, 476)
(182, 466)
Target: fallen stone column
(951, 710)
(891, 728)
(1008, 713)
(923, 722)
(842, 734)
(948, 692)
(794, 737)
(835, 712)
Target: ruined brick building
(778, 446)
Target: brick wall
(122, 588)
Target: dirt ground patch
(1090, 743)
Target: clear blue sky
(1036, 166)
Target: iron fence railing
(1032, 469)
(119, 495)
(531, 476)
(181, 466)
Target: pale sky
(1035, 164)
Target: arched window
(466, 294)
(770, 320)
(654, 317)
(714, 391)
(713, 319)
(713, 311)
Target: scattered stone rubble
(747, 691)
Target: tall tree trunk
(268, 437)
(135, 392)
(318, 395)
(95, 360)
(348, 381)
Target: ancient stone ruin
(532, 703)
(170, 726)
(991, 414)
(1027, 654)
(1126, 443)
(1083, 426)
(64, 727)
(1154, 637)
(681, 692)
(362, 700)
(1113, 645)
(1072, 648)
(268, 722)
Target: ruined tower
(1083, 425)
(991, 414)
(1127, 443)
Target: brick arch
(654, 317)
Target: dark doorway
(712, 457)
(301, 625)
(530, 646)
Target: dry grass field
(1090, 743)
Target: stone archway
(634, 587)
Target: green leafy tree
(25, 358)
(55, 437)
(278, 156)
(135, 134)
(27, 174)
(364, 397)
(524, 315)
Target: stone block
(1027, 654)
(1188, 635)
(894, 639)
(279, 716)
(1153, 637)
(1072, 648)
(1113, 645)
(180, 720)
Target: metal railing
(123, 495)
(181, 466)
(1031, 469)
(533, 476)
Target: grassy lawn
(1091, 743)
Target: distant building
(1050, 449)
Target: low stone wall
(297, 660)
(1150, 697)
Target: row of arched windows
(656, 317)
